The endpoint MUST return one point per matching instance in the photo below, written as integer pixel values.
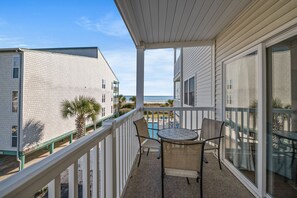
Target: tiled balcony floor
(146, 181)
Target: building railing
(177, 117)
(107, 156)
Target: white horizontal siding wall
(89, 52)
(197, 62)
(261, 21)
(50, 78)
(7, 85)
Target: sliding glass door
(282, 119)
(241, 109)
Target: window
(15, 102)
(16, 65)
(15, 72)
(103, 84)
(111, 109)
(14, 136)
(177, 90)
(103, 111)
(111, 99)
(189, 93)
(103, 98)
(186, 92)
(229, 84)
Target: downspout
(20, 109)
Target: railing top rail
(35, 177)
(178, 108)
(275, 110)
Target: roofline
(64, 48)
(108, 64)
(127, 26)
(11, 49)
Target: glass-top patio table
(177, 134)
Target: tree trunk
(80, 126)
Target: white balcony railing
(105, 157)
(115, 144)
(177, 117)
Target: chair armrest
(148, 138)
(154, 129)
(214, 138)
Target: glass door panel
(241, 114)
(282, 119)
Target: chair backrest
(141, 129)
(211, 129)
(182, 155)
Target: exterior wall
(7, 85)
(84, 51)
(50, 78)
(197, 63)
(261, 21)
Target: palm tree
(122, 99)
(83, 108)
(133, 99)
(169, 103)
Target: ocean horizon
(156, 99)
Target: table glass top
(177, 134)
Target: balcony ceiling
(176, 23)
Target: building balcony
(102, 164)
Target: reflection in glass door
(282, 119)
(241, 90)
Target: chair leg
(201, 189)
(139, 159)
(188, 181)
(162, 180)
(148, 151)
(219, 158)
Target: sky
(85, 23)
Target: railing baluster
(73, 180)
(54, 187)
(191, 119)
(163, 119)
(186, 121)
(153, 115)
(95, 179)
(86, 175)
(197, 119)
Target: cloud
(8, 42)
(158, 70)
(107, 24)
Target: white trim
(253, 188)
(281, 37)
(213, 71)
(178, 44)
(261, 149)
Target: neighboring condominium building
(34, 82)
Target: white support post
(54, 188)
(140, 78)
(86, 175)
(73, 180)
(96, 178)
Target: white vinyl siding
(197, 62)
(8, 84)
(50, 78)
(261, 21)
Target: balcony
(102, 164)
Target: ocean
(156, 99)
